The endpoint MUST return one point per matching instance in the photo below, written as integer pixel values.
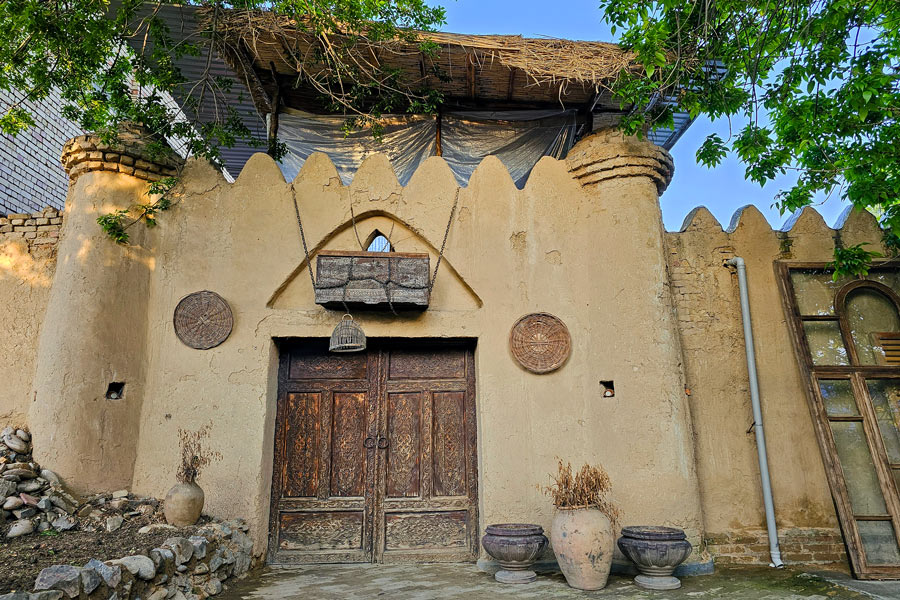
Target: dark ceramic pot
(516, 546)
(656, 551)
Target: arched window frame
(373, 237)
(857, 376)
(840, 307)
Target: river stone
(159, 594)
(155, 527)
(25, 512)
(44, 504)
(63, 523)
(50, 476)
(213, 587)
(138, 565)
(111, 574)
(120, 494)
(28, 499)
(7, 488)
(46, 595)
(12, 503)
(20, 473)
(23, 435)
(162, 557)
(33, 485)
(15, 596)
(199, 542)
(182, 548)
(113, 523)
(64, 578)
(90, 580)
(15, 444)
(61, 503)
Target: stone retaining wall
(181, 569)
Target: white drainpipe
(774, 549)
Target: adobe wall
(656, 312)
(708, 306)
(593, 220)
(27, 263)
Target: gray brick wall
(31, 176)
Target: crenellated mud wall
(656, 313)
(708, 307)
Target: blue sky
(722, 190)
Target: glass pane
(885, 395)
(879, 542)
(859, 471)
(889, 278)
(814, 291)
(825, 344)
(837, 394)
(870, 312)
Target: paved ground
(466, 582)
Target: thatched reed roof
(500, 71)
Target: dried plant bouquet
(588, 488)
(193, 455)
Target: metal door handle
(382, 442)
(369, 443)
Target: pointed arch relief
(451, 291)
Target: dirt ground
(22, 558)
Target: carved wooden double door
(375, 456)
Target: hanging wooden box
(363, 280)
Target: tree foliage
(815, 81)
(118, 61)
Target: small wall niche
(115, 390)
(608, 388)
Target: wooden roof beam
(470, 75)
(243, 67)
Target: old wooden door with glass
(847, 337)
(375, 454)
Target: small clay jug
(183, 504)
(583, 541)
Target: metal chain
(444, 243)
(303, 238)
(353, 218)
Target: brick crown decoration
(38, 230)
(130, 156)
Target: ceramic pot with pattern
(516, 546)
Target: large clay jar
(183, 504)
(582, 539)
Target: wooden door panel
(312, 531)
(426, 530)
(404, 428)
(428, 512)
(427, 364)
(301, 434)
(449, 444)
(321, 511)
(312, 363)
(349, 431)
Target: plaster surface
(656, 313)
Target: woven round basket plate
(203, 320)
(540, 342)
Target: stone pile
(181, 568)
(32, 498)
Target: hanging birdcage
(347, 336)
